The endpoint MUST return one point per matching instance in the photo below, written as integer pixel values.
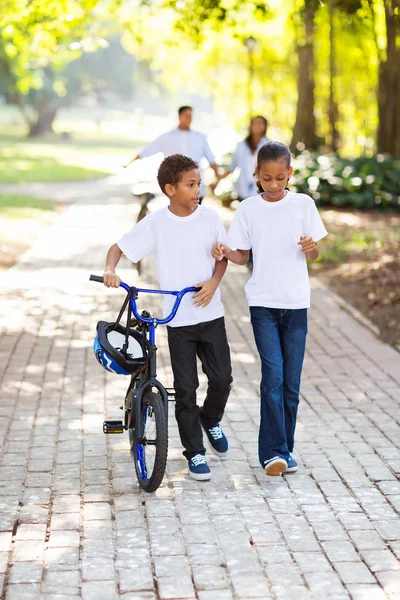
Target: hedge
(362, 182)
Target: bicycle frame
(151, 380)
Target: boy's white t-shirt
(182, 246)
(272, 230)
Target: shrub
(362, 182)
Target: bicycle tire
(150, 465)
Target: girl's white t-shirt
(182, 246)
(272, 230)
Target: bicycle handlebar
(96, 278)
(151, 320)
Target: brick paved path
(73, 522)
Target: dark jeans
(281, 339)
(207, 341)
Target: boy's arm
(207, 288)
(113, 257)
(220, 251)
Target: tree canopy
(323, 73)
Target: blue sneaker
(275, 466)
(292, 464)
(217, 439)
(198, 468)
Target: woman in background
(245, 158)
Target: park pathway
(73, 523)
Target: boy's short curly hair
(173, 168)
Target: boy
(181, 236)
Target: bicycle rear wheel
(150, 452)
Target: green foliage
(337, 248)
(195, 17)
(37, 38)
(38, 33)
(365, 182)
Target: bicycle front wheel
(149, 453)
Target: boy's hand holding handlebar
(111, 279)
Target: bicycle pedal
(170, 393)
(113, 427)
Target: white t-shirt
(182, 246)
(246, 161)
(272, 230)
(179, 141)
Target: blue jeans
(280, 336)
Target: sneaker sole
(277, 468)
(292, 469)
(200, 476)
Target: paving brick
(354, 572)
(380, 560)
(210, 577)
(27, 551)
(99, 590)
(340, 551)
(390, 581)
(170, 588)
(133, 580)
(25, 572)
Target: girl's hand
(111, 279)
(203, 297)
(307, 244)
(219, 251)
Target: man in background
(181, 140)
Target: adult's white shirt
(246, 160)
(272, 230)
(180, 141)
(182, 246)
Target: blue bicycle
(131, 350)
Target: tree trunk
(333, 109)
(43, 123)
(388, 138)
(304, 131)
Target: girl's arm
(220, 251)
(309, 247)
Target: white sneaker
(275, 466)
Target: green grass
(15, 206)
(25, 161)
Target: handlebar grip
(96, 278)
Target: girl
(282, 228)
(245, 158)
